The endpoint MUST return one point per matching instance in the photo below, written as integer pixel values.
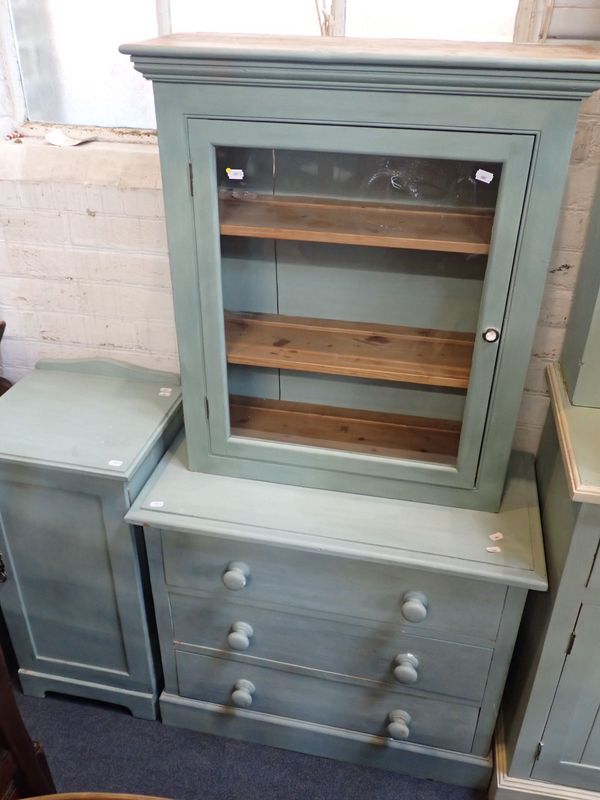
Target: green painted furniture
(78, 439)
(580, 358)
(549, 743)
(368, 629)
(359, 234)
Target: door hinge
(571, 642)
(206, 407)
(538, 751)
(191, 176)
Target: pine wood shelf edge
(396, 435)
(319, 220)
(358, 349)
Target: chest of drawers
(373, 630)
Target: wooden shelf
(392, 435)
(357, 223)
(364, 350)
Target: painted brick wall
(84, 267)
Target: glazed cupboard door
(571, 751)
(353, 283)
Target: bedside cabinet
(77, 442)
(372, 630)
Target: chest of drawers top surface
(92, 416)
(450, 540)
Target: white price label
(114, 462)
(156, 504)
(484, 176)
(495, 537)
(494, 549)
(235, 174)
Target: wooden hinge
(571, 642)
(538, 751)
(191, 175)
(206, 407)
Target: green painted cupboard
(359, 234)
(78, 440)
(548, 744)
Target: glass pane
(351, 291)
(293, 17)
(72, 70)
(460, 20)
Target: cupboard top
(578, 429)
(530, 70)
(370, 51)
(94, 416)
(449, 540)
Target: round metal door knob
(491, 335)
(241, 695)
(399, 724)
(405, 670)
(236, 575)
(239, 636)
(415, 606)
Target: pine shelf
(317, 220)
(358, 349)
(376, 433)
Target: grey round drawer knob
(242, 693)
(398, 727)
(414, 606)
(239, 636)
(405, 670)
(236, 575)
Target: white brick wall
(84, 267)
(83, 255)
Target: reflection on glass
(352, 285)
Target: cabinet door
(571, 751)
(353, 284)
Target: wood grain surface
(359, 349)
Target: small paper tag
(156, 504)
(114, 462)
(494, 549)
(495, 537)
(165, 392)
(484, 176)
(235, 174)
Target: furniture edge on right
(548, 737)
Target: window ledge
(127, 160)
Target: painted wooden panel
(571, 752)
(371, 284)
(61, 573)
(355, 650)
(323, 583)
(326, 701)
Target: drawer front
(324, 583)
(327, 702)
(380, 652)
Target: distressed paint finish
(452, 92)
(76, 590)
(328, 584)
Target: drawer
(324, 583)
(367, 651)
(326, 702)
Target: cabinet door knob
(398, 727)
(241, 695)
(236, 575)
(239, 636)
(405, 670)
(414, 606)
